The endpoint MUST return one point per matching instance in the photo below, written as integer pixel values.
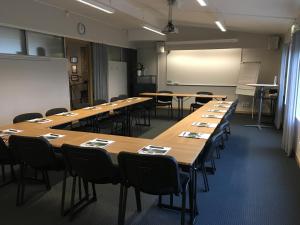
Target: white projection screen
(216, 67)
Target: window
(45, 45)
(12, 41)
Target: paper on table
(9, 132)
(109, 103)
(52, 136)
(92, 108)
(154, 150)
(216, 110)
(67, 114)
(225, 102)
(223, 106)
(40, 120)
(188, 134)
(212, 116)
(203, 124)
(97, 143)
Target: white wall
(32, 84)
(253, 45)
(31, 15)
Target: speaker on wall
(274, 42)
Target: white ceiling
(257, 16)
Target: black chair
(54, 111)
(155, 175)
(99, 102)
(120, 118)
(6, 159)
(92, 166)
(208, 154)
(37, 153)
(123, 96)
(26, 116)
(103, 121)
(200, 101)
(165, 101)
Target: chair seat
(159, 103)
(196, 105)
(114, 179)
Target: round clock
(81, 28)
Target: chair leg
(3, 173)
(159, 201)
(12, 171)
(94, 191)
(63, 195)
(47, 180)
(172, 111)
(122, 205)
(183, 207)
(138, 200)
(204, 177)
(79, 188)
(171, 200)
(73, 196)
(19, 190)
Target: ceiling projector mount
(171, 28)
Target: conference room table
(184, 150)
(181, 96)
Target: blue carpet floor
(255, 184)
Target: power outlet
(245, 104)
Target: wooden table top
(85, 113)
(184, 150)
(182, 95)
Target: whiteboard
(32, 84)
(249, 73)
(219, 67)
(117, 78)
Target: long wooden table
(184, 150)
(181, 96)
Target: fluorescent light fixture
(220, 25)
(153, 30)
(202, 3)
(97, 5)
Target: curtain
(292, 85)
(100, 71)
(282, 85)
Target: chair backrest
(123, 96)
(94, 165)
(203, 100)
(81, 105)
(5, 153)
(26, 116)
(152, 174)
(99, 102)
(33, 151)
(54, 111)
(211, 145)
(113, 99)
(165, 98)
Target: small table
(261, 93)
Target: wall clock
(81, 28)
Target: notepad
(154, 150)
(67, 114)
(92, 108)
(216, 110)
(40, 120)
(223, 106)
(195, 135)
(203, 124)
(52, 136)
(225, 102)
(109, 103)
(9, 132)
(97, 143)
(212, 116)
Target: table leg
(258, 125)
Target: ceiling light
(220, 25)
(153, 30)
(97, 5)
(202, 3)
